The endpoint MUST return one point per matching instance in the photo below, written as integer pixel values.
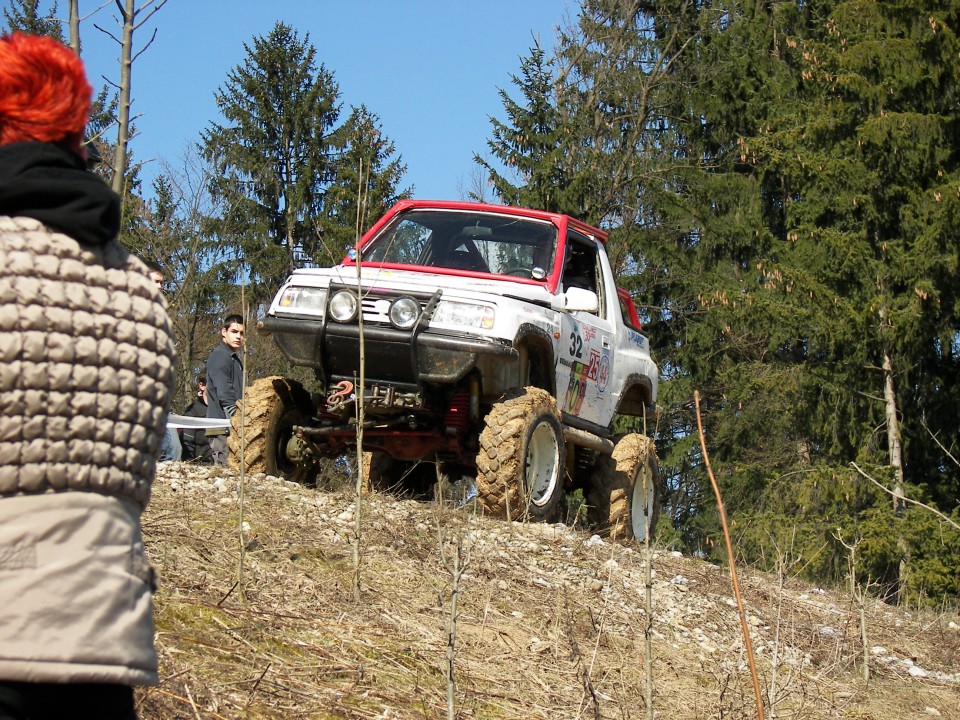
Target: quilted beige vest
(86, 366)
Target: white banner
(188, 422)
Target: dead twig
(733, 566)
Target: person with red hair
(86, 367)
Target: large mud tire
(269, 415)
(520, 466)
(383, 474)
(624, 498)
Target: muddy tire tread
(260, 402)
(609, 496)
(501, 457)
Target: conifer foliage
(273, 150)
(782, 183)
(289, 174)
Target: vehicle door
(585, 355)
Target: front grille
(375, 308)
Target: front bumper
(400, 357)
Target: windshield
(474, 241)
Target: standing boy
(225, 382)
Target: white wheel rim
(542, 464)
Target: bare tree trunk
(895, 454)
(896, 462)
(131, 17)
(893, 430)
(75, 26)
(288, 209)
(127, 12)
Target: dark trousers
(63, 701)
(219, 450)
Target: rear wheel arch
(636, 396)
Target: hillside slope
(550, 625)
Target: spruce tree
(366, 178)
(817, 195)
(24, 15)
(272, 151)
(530, 145)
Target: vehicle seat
(466, 257)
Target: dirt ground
(258, 617)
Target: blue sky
(429, 69)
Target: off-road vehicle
(485, 341)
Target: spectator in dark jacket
(225, 382)
(195, 443)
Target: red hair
(44, 93)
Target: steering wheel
(518, 271)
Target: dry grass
(550, 623)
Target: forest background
(781, 183)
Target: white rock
(932, 711)
(878, 650)
(679, 580)
(917, 671)
(827, 630)
(594, 541)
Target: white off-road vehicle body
(457, 314)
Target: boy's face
(233, 335)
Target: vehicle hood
(414, 281)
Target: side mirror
(576, 300)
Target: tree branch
(907, 499)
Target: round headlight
(404, 313)
(343, 306)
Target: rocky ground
(259, 615)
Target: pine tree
(530, 145)
(817, 199)
(367, 175)
(24, 15)
(273, 153)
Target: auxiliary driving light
(404, 313)
(343, 306)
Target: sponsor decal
(637, 339)
(581, 374)
(604, 374)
